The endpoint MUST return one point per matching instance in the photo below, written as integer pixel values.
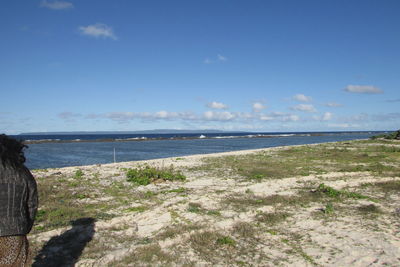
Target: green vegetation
(329, 209)
(226, 240)
(146, 174)
(78, 174)
(173, 231)
(357, 156)
(389, 136)
(194, 207)
(272, 218)
(331, 192)
(59, 206)
(197, 208)
(177, 190)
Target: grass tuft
(272, 218)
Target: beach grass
(310, 159)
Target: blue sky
(94, 65)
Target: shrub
(146, 174)
(390, 136)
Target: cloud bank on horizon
(199, 65)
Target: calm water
(53, 155)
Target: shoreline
(192, 157)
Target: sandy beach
(263, 207)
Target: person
(18, 203)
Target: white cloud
(220, 58)
(166, 115)
(279, 116)
(207, 61)
(363, 117)
(393, 100)
(266, 118)
(333, 105)
(217, 105)
(245, 115)
(98, 30)
(363, 89)
(258, 107)
(206, 117)
(218, 116)
(56, 5)
(302, 98)
(343, 125)
(120, 116)
(68, 116)
(327, 116)
(291, 118)
(304, 107)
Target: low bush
(146, 174)
(334, 193)
(389, 136)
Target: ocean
(55, 151)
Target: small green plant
(178, 190)
(257, 177)
(73, 184)
(149, 194)
(334, 193)
(272, 218)
(226, 240)
(96, 175)
(248, 191)
(272, 232)
(194, 207)
(146, 174)
(329, 191)
(81, 196)
(78, 174)
(214, 213)
(40, 215)
(39, 228)
(328, 209)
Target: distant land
(156, 131)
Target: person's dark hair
(11, 151)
